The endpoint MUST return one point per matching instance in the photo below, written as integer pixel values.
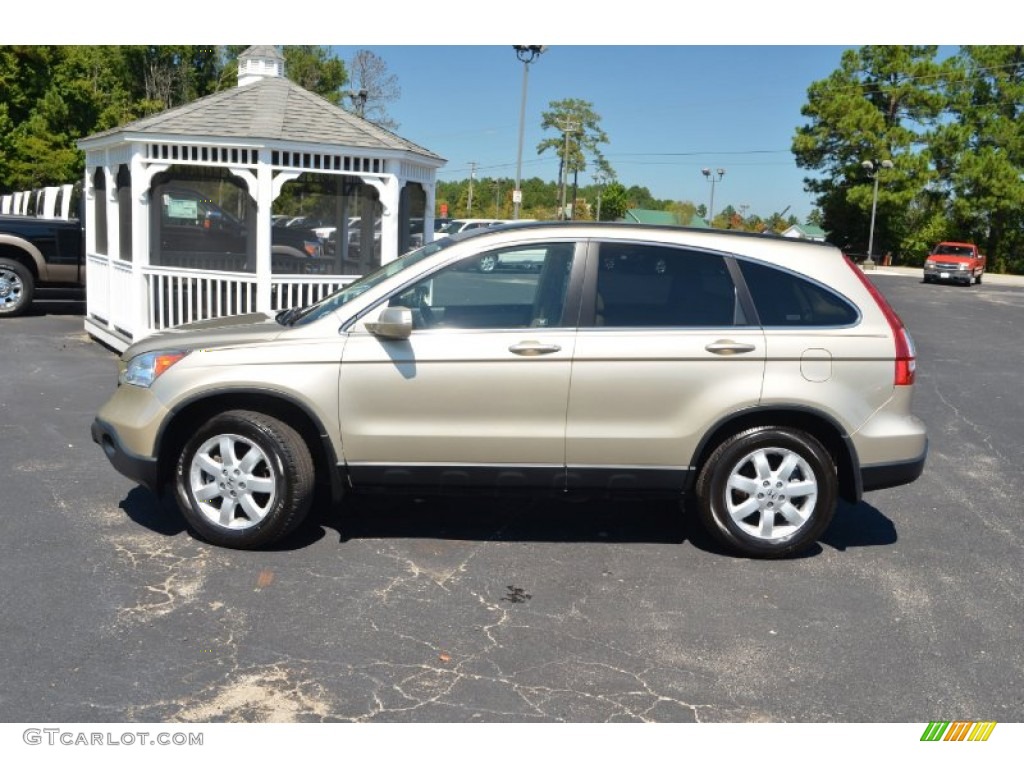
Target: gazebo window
(339, 213)
(99, 183)
(412, 207)
(124, 205)
(202, 218)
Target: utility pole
(567, 128)
(472, 175)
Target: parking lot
(511, 609)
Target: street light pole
(873, 167)
(526, 54)
(710, 176)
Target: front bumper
(945, 274)
(141, 469)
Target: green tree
(614, 202)
(316, 69)
(579, 135)
(879, 105)
(979, 153)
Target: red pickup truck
(954, 263)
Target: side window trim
(746, 300)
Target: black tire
(977, 279)
(742, 491)
(266, 454)
(487, 263)
(17, 287)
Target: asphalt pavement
(491, 609)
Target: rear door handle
(729, 347)
(533, 348)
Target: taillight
(906, 354)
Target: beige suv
(765, 376)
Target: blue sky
(668, 112)
(678, 88)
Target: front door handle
(533, 348)
(729, 347)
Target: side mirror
(393, 323)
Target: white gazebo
(259, 198)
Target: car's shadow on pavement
(859, 525)
(486, 517)
(157, 513)
(490, 518)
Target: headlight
(961, 266)
(143, 370)
(929, 265)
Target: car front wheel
(244, 480)
(487, 263)
(768, 491)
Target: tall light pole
(709, 175)
(873, 167)
(526, 54)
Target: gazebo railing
(175, 295)
(178, 296)
(106, 278)
(289, 291)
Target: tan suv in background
(765, 376)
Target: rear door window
(651, 286)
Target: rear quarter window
(786, 299)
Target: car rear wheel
(16, 288)
(487, 263)
(244, 480)
(768, 491)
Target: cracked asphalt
(492, 609)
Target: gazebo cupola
(258, 62)
(256, 198)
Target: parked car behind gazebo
(179, 205)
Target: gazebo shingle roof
(275, 109)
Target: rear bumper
(141, 469)
(878, 476)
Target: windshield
(312, 313)
(954, 250)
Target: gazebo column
(264, 205)
(142, 174)
(89, 222)
(389, 194)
